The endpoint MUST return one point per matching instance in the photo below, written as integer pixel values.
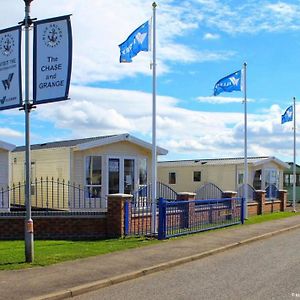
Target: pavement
(68, 279)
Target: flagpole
(154, 168)
(245, 144)
(294, 166)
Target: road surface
(267, 269)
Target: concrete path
(75, 277)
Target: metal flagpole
(154, 169)
(29, 248)
(294, 166)
(245, 144)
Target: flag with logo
(232, 82)
(137, 41)
(288, 115)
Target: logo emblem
(140, 37)
(52, 35)
(7, 82)
(3, 100)
(7, 44)
(234, 81)
(289, 112)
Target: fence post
(261, 199)
(162, 216)
(242, 210)
(283, 198)
(115, 214)
(126, 218)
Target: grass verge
(50, 252)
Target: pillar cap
(260, 191)
(186, 193)
(119, 195)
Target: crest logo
(3, 100)
(234, 81)
(140, 37)
(52, 35)
(7, 44)
(7, 82)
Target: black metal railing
(50, 195)
(251, 192)
(141, 208)
(208, 191)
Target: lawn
(51, 252)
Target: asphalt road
(267, 269)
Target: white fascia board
(272, 159)
(119, 138)
(7, 146)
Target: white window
(93, 176)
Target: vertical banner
(52, 59)
(10, 68)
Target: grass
(51, 252)
(270, 217)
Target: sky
(198, 43)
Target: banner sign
(52, 62)
(10, 68)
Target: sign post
(29, 244)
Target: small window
(197, 176)
(172, 178)
(240, 178)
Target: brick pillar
(115, 214)
(283, 199)
(260, 197)
(233, 212)
(188, 216)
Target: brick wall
(57, 227)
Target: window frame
(174, 179)
(200, 177)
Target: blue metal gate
(138, 213)
(185, 217)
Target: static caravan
(226, 173)
(80, 173)
(5, 150)
(288, 181)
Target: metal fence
(272, 192)
(50, 195)
(251, 192)
(208, 191)
(184, 217)
(138, 214)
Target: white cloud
(221, 100)
(96, 111)
(211, 36)
(248, 16)
(9, 133)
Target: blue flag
(229, 83)
(136, 42)
(288, 115)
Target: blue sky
(199, 41)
